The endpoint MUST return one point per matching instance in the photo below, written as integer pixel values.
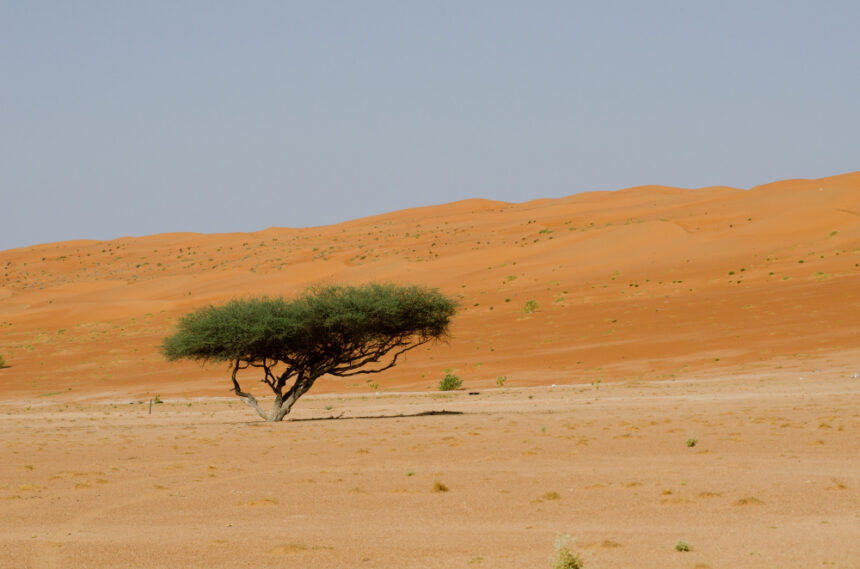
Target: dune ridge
(642, 283)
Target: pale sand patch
(212, 487)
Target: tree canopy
(331, 330)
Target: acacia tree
(334, 330)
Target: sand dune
(644, 282)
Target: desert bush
(501, 380)
(682, 545)
(692, 441)
(564, 558)
(530, 306)
(2, 362)
(450, 382)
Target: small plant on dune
(682, 546)
(450, 382)
(157, 400)
(501, 380)
(564, 558)
(692, 441)
(530, 307)
(2, 362)
(439, 487)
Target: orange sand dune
(644, 283)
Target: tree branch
(347, 371)
(246, 397)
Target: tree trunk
(279, 410)
(283, 405)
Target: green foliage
(692, 441)
(530, 307)
(682, 545)
(2, 362)
(564, 558)
(320, 326)
(157, 400)
(337, 330)
(450, 382)
(501, 380)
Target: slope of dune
(644, 283)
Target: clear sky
(133, 118)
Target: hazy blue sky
(132, 118)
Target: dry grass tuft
(748, 501)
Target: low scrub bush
(682, 545)
(450, 382)
(564, 558)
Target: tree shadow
(400, 416)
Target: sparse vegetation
(564, 558)
(2, 362)
(682, 545)
(450, 382)
(530, 307)
(439, 487)
(692, 441)
(501, 380)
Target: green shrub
(530, 306)
(2, 362)
(450, 382)
(682, 545)
(692, 441)
(501, 380)
(564, 558)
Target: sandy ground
(662, 315)
(772, 481)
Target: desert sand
(725, 316)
